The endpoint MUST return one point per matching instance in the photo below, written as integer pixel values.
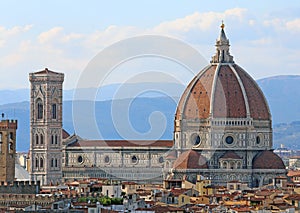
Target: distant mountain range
(145, 111)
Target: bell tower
(46, 126)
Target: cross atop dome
(222, 46)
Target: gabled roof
(78, 142)
(230, 155)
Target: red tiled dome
(190, 160)
(267, 160)
(224, 92)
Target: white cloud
(50, 35)
(71, 51)
(293, 25)
(200, 21)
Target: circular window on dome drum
(80, 159)
(106, 159)
(134, 159)
(229, 140)
(196, 140)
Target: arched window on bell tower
(42, 139)
(54, 111)
(37, 139)
(40, 108)
(41, 163)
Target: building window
(42, 139)
(54, 112)
(257, 140)
(1, 137)
(56, 141)
(134, 159)
(229, 140)
(55, 162)
(37, 139)
(161, 159)
(40, 109)
(106, 159)
(36, 162)
(80, 159)
(52, 162)
(41, 162)
(52, 139)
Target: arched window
(40, 109)
(55, 137)
(52, 162)
(41, 162)
(54, 111)
(232, 165)
(52, 139)
(36, 139)
(36, 162)
(42, 139)
(56, 162)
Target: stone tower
(7, 150)
(46, 126)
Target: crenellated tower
(7, 150)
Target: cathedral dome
(223, 90)
(267, 160)
(190, 160)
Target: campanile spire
(222, 48)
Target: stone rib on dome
(267, 160)
(190, 160)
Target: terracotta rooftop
(65, 134)
(190, 160)
(293, 173)
(45, 71)
(226, 88)
(122, 143)
(267, 160)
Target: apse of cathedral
(222, 131)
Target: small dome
(267, 160)
(190, 160)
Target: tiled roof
(230, 155)
(267, 160)
(46, 71)
(190, 160)
(228, 101)
(65, 134)
(122, 143)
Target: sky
(65, 36)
